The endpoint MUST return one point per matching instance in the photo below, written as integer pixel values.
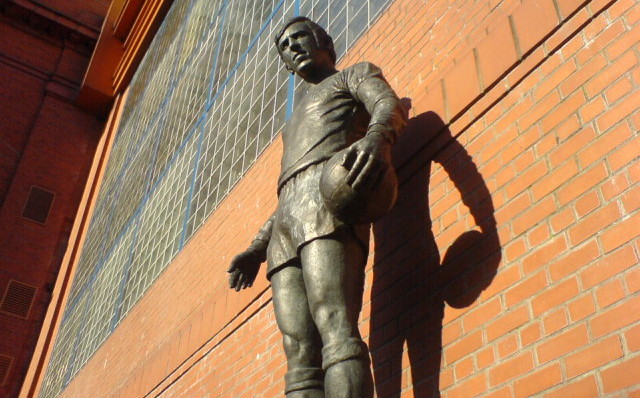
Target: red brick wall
(47, 142)
(88, 14)
(508, 266)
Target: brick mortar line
(533, 347)
(60, 18)
(528, 72)
(26, 68)
(243, 316)
(51, 79)
(493, 86)
(561, 206)
(438, 79)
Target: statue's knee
(330, 319)
(300, 351)
(334, 323)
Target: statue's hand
(367, 160)
(244, 268)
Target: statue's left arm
(371, 155)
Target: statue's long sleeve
(388, 116)
(261, 240)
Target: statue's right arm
(371, 155)
(244, 267)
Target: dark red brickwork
(509, 265)
(45, 141)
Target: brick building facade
(507, 268)
(46, 149)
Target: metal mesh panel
(208, 97)
(62, 357)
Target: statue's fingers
(240, 282)
(245, 279)
(236, 262)
(381, 171)
(238, 277)
(357, 167)
(247, 283)
(376, 176)
(349, 158)
(233, 279)
(234, 265)
(363, 177)
(369, 182)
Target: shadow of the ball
(466, 270)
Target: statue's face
(299, 50)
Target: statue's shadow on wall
(411, 285)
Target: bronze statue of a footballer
(316, 256)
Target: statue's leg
(302, 345)
(334, 276)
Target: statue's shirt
(335, 113)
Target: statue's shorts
(302, 217)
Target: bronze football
(356, 206)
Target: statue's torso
(325, 121)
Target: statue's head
(304, 46)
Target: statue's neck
(320, 75)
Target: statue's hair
(322, 37)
